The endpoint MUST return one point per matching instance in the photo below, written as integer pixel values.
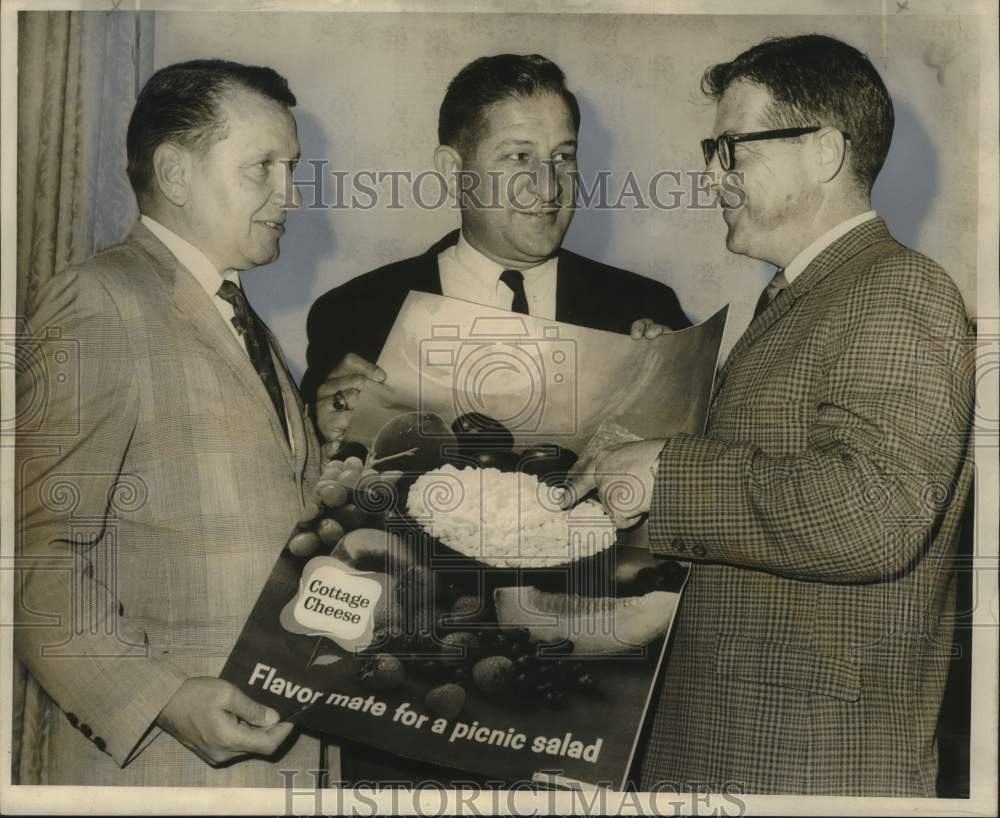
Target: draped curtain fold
(78, 76)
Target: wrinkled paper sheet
(546, 381)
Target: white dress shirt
(469, 275)
(802, 260)
(206, 274)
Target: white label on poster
(335, 602)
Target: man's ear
(172, 172)
(831, 151)
(448, 162)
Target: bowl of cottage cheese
(506, 519)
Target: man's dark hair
(489, 80)
(817, 80)
(181, 104)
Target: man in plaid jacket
(821, 507)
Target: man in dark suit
(822, 505)
(508, 132)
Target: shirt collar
(802, 260)
(193, 260)
(486, 271)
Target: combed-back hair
(489, 80)
(181, 104)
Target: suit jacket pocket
(780, 665)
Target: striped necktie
(770, 292)
(251, 329)
(515, 280)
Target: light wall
(369, 86)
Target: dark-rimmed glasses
(725, 144)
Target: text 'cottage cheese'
(506, 519)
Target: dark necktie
(251, 328)
(515, 280)
(770, 292)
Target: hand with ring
(340, 402)
(337, 394)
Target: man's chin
(267, 256)
(541, 245)
(537, 252)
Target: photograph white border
(983, 740)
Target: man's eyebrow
(271, 155)
(511, 143)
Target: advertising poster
(474, 695)
(437, 601)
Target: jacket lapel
(569, 289)
(192, 305)
(426, 277)
(842, 250)
(294, 408)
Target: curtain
(78, 77)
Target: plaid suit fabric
(147, 530)
(821, 508)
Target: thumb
(578, 485)
(369, 369)
(242, 706)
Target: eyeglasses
(726, 143)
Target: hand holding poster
(537, 681)
(466, 619)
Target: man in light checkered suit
(821, 506)
(154, 498)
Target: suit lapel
(566, 296)
(837, 254)
(192, 305)
(294, 408)
(426, 277)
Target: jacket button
(678, 545)
(99, 743)
(698, 551)
(85, 729)
(72, 719)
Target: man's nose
(546, 181)
(289, 196)
(713, 171)
(713, 167)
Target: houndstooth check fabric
(152, 503)
(777, 283)
(821, 508)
